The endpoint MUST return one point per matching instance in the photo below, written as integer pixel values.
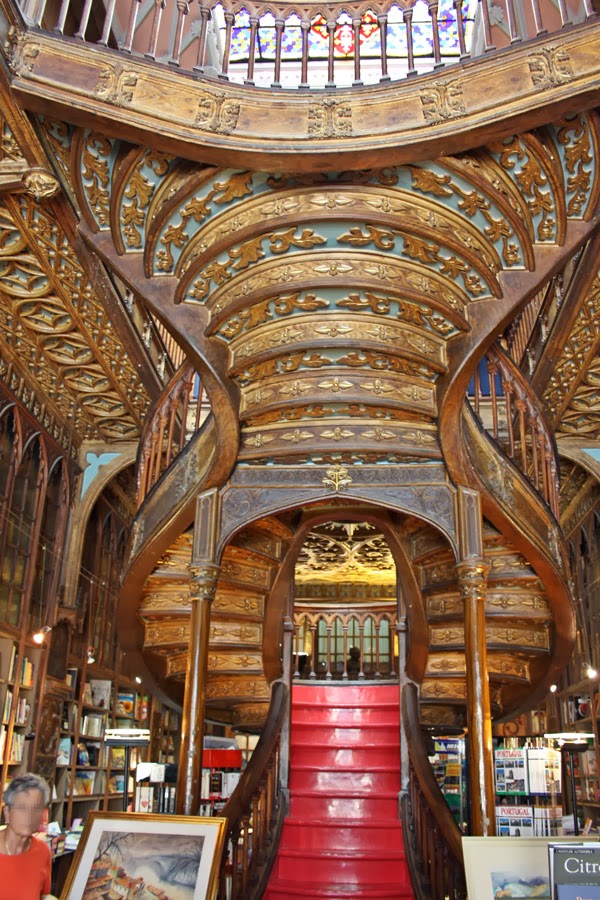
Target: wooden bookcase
(20, 667)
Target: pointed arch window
(20, 533)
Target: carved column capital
(472, 579)
(203, 580)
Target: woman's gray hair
(21, 784)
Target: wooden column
(472, 580)
(204, 573)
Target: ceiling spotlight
(91, 654)
(138, 680)
(553, 688)
(40, 634)
(591, 672)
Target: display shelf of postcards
(528, 788)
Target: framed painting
(133, 854)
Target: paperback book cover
(125, 704)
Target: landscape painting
(147, 856)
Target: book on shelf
(22, 711)
(125, 704)
(12, 663)
(71, 679)
(87, 694)
(17, 745)
(92, 726)
(83, 757)
(100, 689)
(27, 671)
(511, 770)
(140, 710)
(63, 753)
(8, 698)
(574, 870)
(116, 757)
(116, 784)
(84, 783)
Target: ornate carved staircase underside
(336, 321)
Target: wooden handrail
(175, 417)
(358, 45)
(513, 416)
(432, 837)
(255, 807)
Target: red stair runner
(343, 838)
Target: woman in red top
(25, 862)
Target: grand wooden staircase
(335, 318)
(343, 836)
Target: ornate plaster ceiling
(346, 552)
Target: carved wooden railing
(432, 837)
(255, 811)
(359, 643)
(175, 418)
(511, 413)
(357, 43)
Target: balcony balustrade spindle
(279, 25)
(183, 9)
(59, 28)
(205, 17)
(383, 20)
(437, 53)
(252, 49)
(108, 21)
(159, 6)
(135, 6)
(83, 22)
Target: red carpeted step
(343, 805)
(342, 834)
(283, 890)
(343, 867)
(343, 838)
(315, 778)
(363, 756)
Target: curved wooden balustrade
(255, 811)
(203, 37)
(511, 413)
(432, 837)
(368, 630)
(175, 418)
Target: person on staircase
(353, 664)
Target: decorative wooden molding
(234, 125)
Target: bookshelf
(19, 665)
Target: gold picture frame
(183, 852)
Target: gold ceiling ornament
(345, 552)
(40, 184)
(336, 477)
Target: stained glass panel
(370, 34)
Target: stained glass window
(344, 43)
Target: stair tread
(342, 891)
(335, 853)
(341, 823)
(353, 792)
(311, 767)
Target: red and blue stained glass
(344, 43)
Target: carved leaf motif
(236, 186)
(282, 241)
(430, 182)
